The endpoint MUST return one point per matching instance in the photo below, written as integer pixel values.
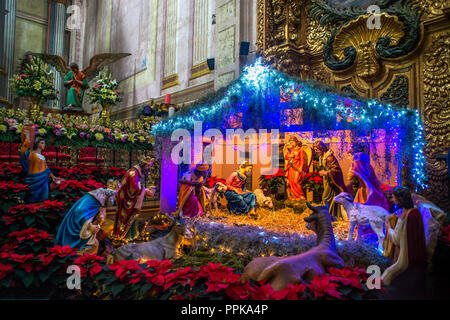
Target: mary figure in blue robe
(77, 229)
(34, 165)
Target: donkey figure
(159, 249)
(279, 272)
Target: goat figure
(361, 214)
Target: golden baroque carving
(432, 8)
(316, 34)
(260, 28)
(436, 115)
(321, 74)
(356, 34)
(287, 60)
(294, 19)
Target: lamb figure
(261, 200)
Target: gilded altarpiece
(403, 60)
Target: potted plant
(105, 92)
(35, 82)
(313, 182)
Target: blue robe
(240, 203)
(69, 230)
(38, 183)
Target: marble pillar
(57, 29)
(201, 31)
(8, 30)
(170, 61)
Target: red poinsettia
(239, 291)
(88, 258)
(347, 276)
(5, 269)
(8, 220)
(9, 168)
(62, 251)
(446, 234)
(211, 181)
(30, 234)
(92, 184)
(158, 266)
(123, 267)
(21, 258)
(312, 181)
(322, 286)
(291, 292)
(278, 173)
(181, 276)
(8, 247)
(54, 205)
(116, 172)
(8, 187)
(72, 184)
(46, 258)
(263, 292)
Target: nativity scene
(168, 157)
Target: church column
(170, 50)
(8, 27)
(57, 30)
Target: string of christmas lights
(257, 96)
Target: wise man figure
(240, 201)
(76, 81)
(130, 198)
(192, 195)
(333, 180)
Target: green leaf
(29, 220)
(43, 276)
(116, 288)
(27, 279)
(145, 288)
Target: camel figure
(279, 272)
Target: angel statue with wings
(75, 80)
(297, 162)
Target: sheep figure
(212, 195)
(262, 200)
(361, 214)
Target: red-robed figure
(296, 166)
(129, 200)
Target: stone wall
(170, 42)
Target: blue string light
(259, 90)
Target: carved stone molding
(436, 115)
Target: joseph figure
(76, 81)
(333, 180)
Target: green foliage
(105, 91)
(35, 81)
